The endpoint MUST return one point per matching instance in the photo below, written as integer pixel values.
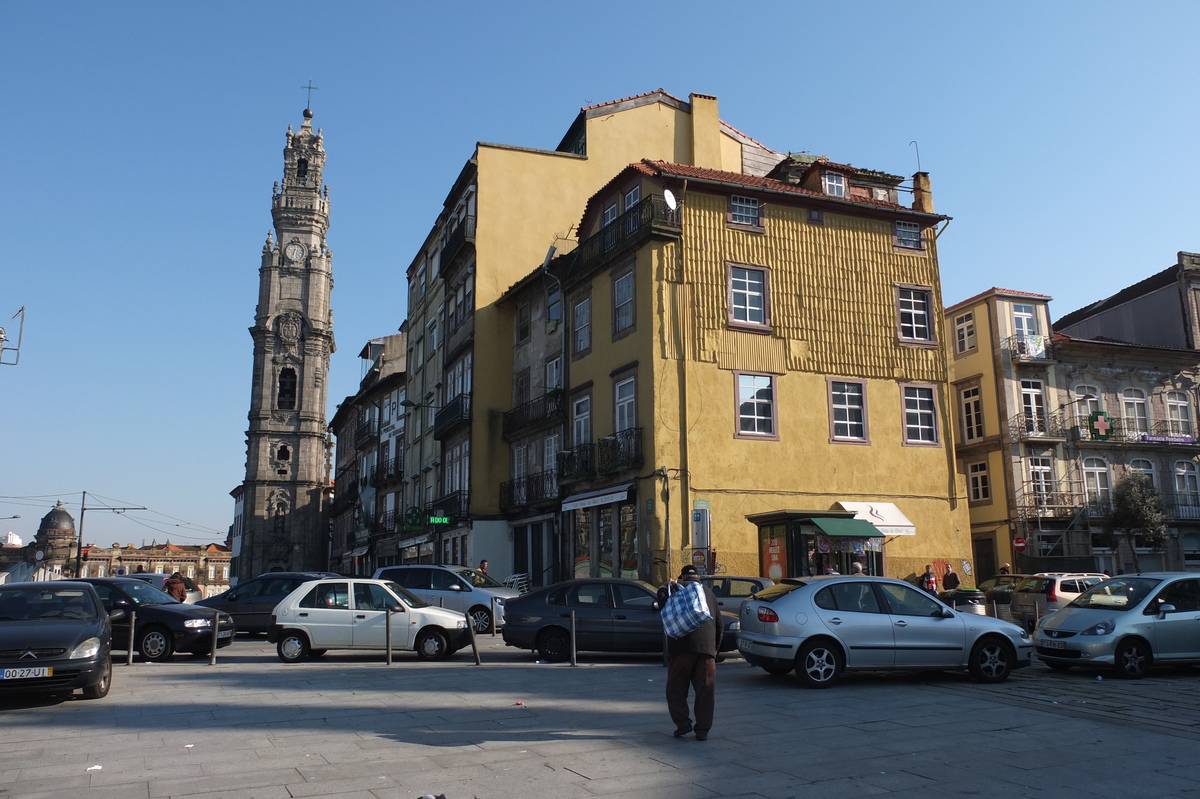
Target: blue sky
(141, 141)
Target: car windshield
(478, 578)
(1121, 593)
(406, 596)
(23, 604)
(145, 594)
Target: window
(1133, 402)
(550, 451)
(920, 415)
(1041, 480)
(623, 303)
(916, 320)
(964, 332)
(1187, 487)
(756, 405)
(744, 211)
(1087, 402)
(972, 413)
(581, 421)
(521, 388)
(522, 323)
(980, 486)
(908, 235)
(834, 184)
(554, 306)
(1024, 326)
(624, 406)
(553, 373)
(286, 400)
(1033, 408)
(610, 214)
(1095, 483)
(431, 331)
(520, 462)
(582, 325)
(816, 216)
(1144, 467)
(1179, 414)
(848, 410)
(748, 297)
(633, 197)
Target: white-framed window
(624, 405)
(964, 332)
(1024, 321)
(553, 305)
(748, 288)
(431, 334)
(1179, 414)
(1095, 482)
(1087, 401)
(550, 448)
(1033, 407)
(914, 307)
(848, 410)
(920, 415)
(225, 573)
(908, 235)
(756, 405)
(191, 572)
(834, 184)
(980, 484)
(554, 373)
(623, 302)
(610, 214)
(1133, 407)
(523, 322)
(1144, 467)
(971, 402)
(744, 211)
(520, 466)
(1187, 486)
(1041, 480)
(212, 572)
(633, 197)
(581, 421)
(582, 326)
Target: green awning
(851, 528)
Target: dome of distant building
(57, 519)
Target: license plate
(746, 646)
(1054, 644)
(224, 633)
(26, 673)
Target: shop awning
(847, 528)
(886, 517)
(599, 496)
(357, 552)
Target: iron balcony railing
(621, 450)
(1049, 499)
(454, 413)
(345, 490)
(577, 463)
(548, 407)
(1028, 346)
(1039, 424)
(650, 216)
(365, 430)
(454, 505)
(1138, 430)
(390, 469)
(531, 489)
(387, 521)
(459, 243)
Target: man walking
(692, 661)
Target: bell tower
(283, 521)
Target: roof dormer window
(834, 184)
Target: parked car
(1126, 624)
(250, 603)
(55, 637)
(346, 613)
(611, 615)
(159, 581)
(455, 587)
(163, 625)
(822, 626)
(1046, 592)
(732, 590)
(999, 589)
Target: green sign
(412, 517)
(1100, 426)
(439, 519)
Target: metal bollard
(493, 617)
(216, 628)
(387, 634)
(132, 628)
(474, 643)
(574, 656)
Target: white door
(325, 615)
(372, 606)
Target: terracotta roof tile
(999, 292)
(634, 97)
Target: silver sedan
(822, 626)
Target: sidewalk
(252, 727)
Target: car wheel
(293, 647)
(481, 617)
(1131, 661)
(1054, 664)
(155, 644)
(313, 654)
(99, 690)
(818, 664)
(554, 645)
(991, 660)
(777, 671)
(432, 644)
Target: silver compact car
(1126, 624)
(822, 626)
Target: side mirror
(117, 614)
(457, 587)
(396, 608)
(655, 606)
(1164, 609)
(947, 613)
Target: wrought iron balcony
(1182, 506)
(622, 450)
(1039, 425)
(388, 521)
(546, 408)
(577, 463)
(365, 431)
(645, 220)
(454, 505)
(532, 489)
(388, 470)
(1028, 346)
(459, 244)
(345, 491)
(1049, 499)
(453, 414)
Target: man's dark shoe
(701, 735)
(682, 731)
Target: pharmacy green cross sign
(1100, 426)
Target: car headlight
(202, 622)
(461, 624)
(88, 649)
(1021, 631)
(1101, 627)
(499, 600)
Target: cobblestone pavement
(350, 726)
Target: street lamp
(410, 404)
(11, 517)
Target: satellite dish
(669, 199)
(549, 254)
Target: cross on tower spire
(310, 88)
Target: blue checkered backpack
(686, 610)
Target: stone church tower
(284, 521)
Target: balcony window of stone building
(1143, 467)
(914, 311)
(623, 307)
(1041, 479)
(1133, 406)
(431, 335)
(1179, 414)
(971, 403)
(550, 448)
(981, 488)
(920, 415)
(521, 388)
(553, 374)
(1187, 487)
(633, 197)
(756, 406)
(581, 421)
(964, 333)
(1024, 326)
(286, 400)
(1096, 484)
(748, 292)
(1086, 402)
(1033, 408)
(610, 215)
(625, 405)
(581, 325)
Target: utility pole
(79, 544)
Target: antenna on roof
(913, 144)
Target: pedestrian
(856, 568)
(483, 566)
(1005, 569)
(176, 587)
(928, 580)
(831, 569)
(692, 661)
(950, 582)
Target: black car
(163, 625)
(251, 602)
(54, 637)
(611, 615)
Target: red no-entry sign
(1019, 544)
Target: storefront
(797, 543)
(602, 526)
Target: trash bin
(968, 601)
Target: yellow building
(753, 377)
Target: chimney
(706, 132)
(922, 195)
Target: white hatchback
(348, 613)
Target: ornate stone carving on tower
(283, 522)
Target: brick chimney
(922, 195)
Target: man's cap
(688, 571)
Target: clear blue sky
(141, 141)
